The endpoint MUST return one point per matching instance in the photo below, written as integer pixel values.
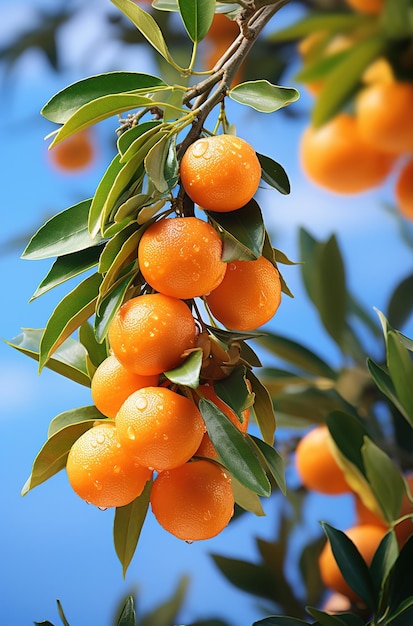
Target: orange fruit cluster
(318, 470)
(155, 431)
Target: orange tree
(142, 190)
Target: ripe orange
(316, 465)
(206, 448)
(159, 428)
(222, 33)
(149, 333)
(384, 119)
(181, 257)
(336, 157)
(193, 501)
(100, 471)
(248, 296)
(404, 190)
(366, 538)
(220, 173)
(74, 153)
(112, 383)
(372, 7)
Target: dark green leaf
(188, 372)
(70, 313)
(262, 96)
(263, 408)
(396, 19)
(274, 174)
(69, 359)
(74, 416)
(384, 383)
(234, 391)
(255, 579)
(273, 461)
(281, 620)
(401, 580)
(401, 372)
(327, 619)
(127, 615)
(243, 232)
(197, 17)
(66, 102)
(311, 404)
(383, 561)
(234, 450)
(400, 306)
(166, 612)
(111, 303)
(64, 233)
(351, 564)
(127, 526)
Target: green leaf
(197, 17)
(234, 450)
(328, 619)
(401, 372)
(52, 456)
(385, 384)
(252, 578)
(340, 85)
(281, 620)
(127, 615)
(322, 21)
(127, 526)
(401, 303)
(69, 359)
(234, 391)
(242, 231)
(382, 563)
(70, 99)
(274, 174)
(132, 140)
(166, 612)
(97, 352)
(70, 313)
(396, 19)
(273, 461)
(262, 96)
(117, 254)
(188, 372)
(161, 164)
(98, 110)
(64, 233)
(148, 27)
(263, 408)
(400, 583)
(246, 499)
(95, 224)
(111, 302)
(351, 564)
(74, 416)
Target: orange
(206, 448)
(74, 153)
(112, 383)
(159, 428)
(384, 116)
(222, 28)
(367, 6)
(316, 465)
(336, 157)
(366, 538)
(193, 501)
(220, 173)
(181, 257)
(150, 333)
(248, 296)
(100, 471)
(404, 190)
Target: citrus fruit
(373, 7)
(248, 296)
(384, 119)
(220, 173)
(181, 257)
(208, 392)
(336, 157)
(100, 471)
(149, 333)
(315, 463)
(193, 501)
(404, 190)
(74, 153)
(366, 538)
(112, 383)
(159, 428)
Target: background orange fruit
(149, 333)
(112, 383)
(193, 501)
(100, 471)
(220, 173)
(248, 296)
(74, 153)
(316, 465)
(159, 428)
(366, 538)
(336, 157)
(181, 257)
(367, 6)
(404, 190)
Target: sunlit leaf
(132, 140)
(188, 372)
(111, 302)
(74, 416)
(64, 233)
(263, 408)
(246, 499)
(274, 462)
(262, 96)
(97, 352)
(197, 17)
(98, 202)
(158, 166)
(127, 526)
(401, 372)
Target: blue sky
(52, 544)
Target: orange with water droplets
(181, 257)
(220, 173)
(112, 383)
(150, 333)
(248, 296)
(101, 472)
(194, 501)
(159, 428)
